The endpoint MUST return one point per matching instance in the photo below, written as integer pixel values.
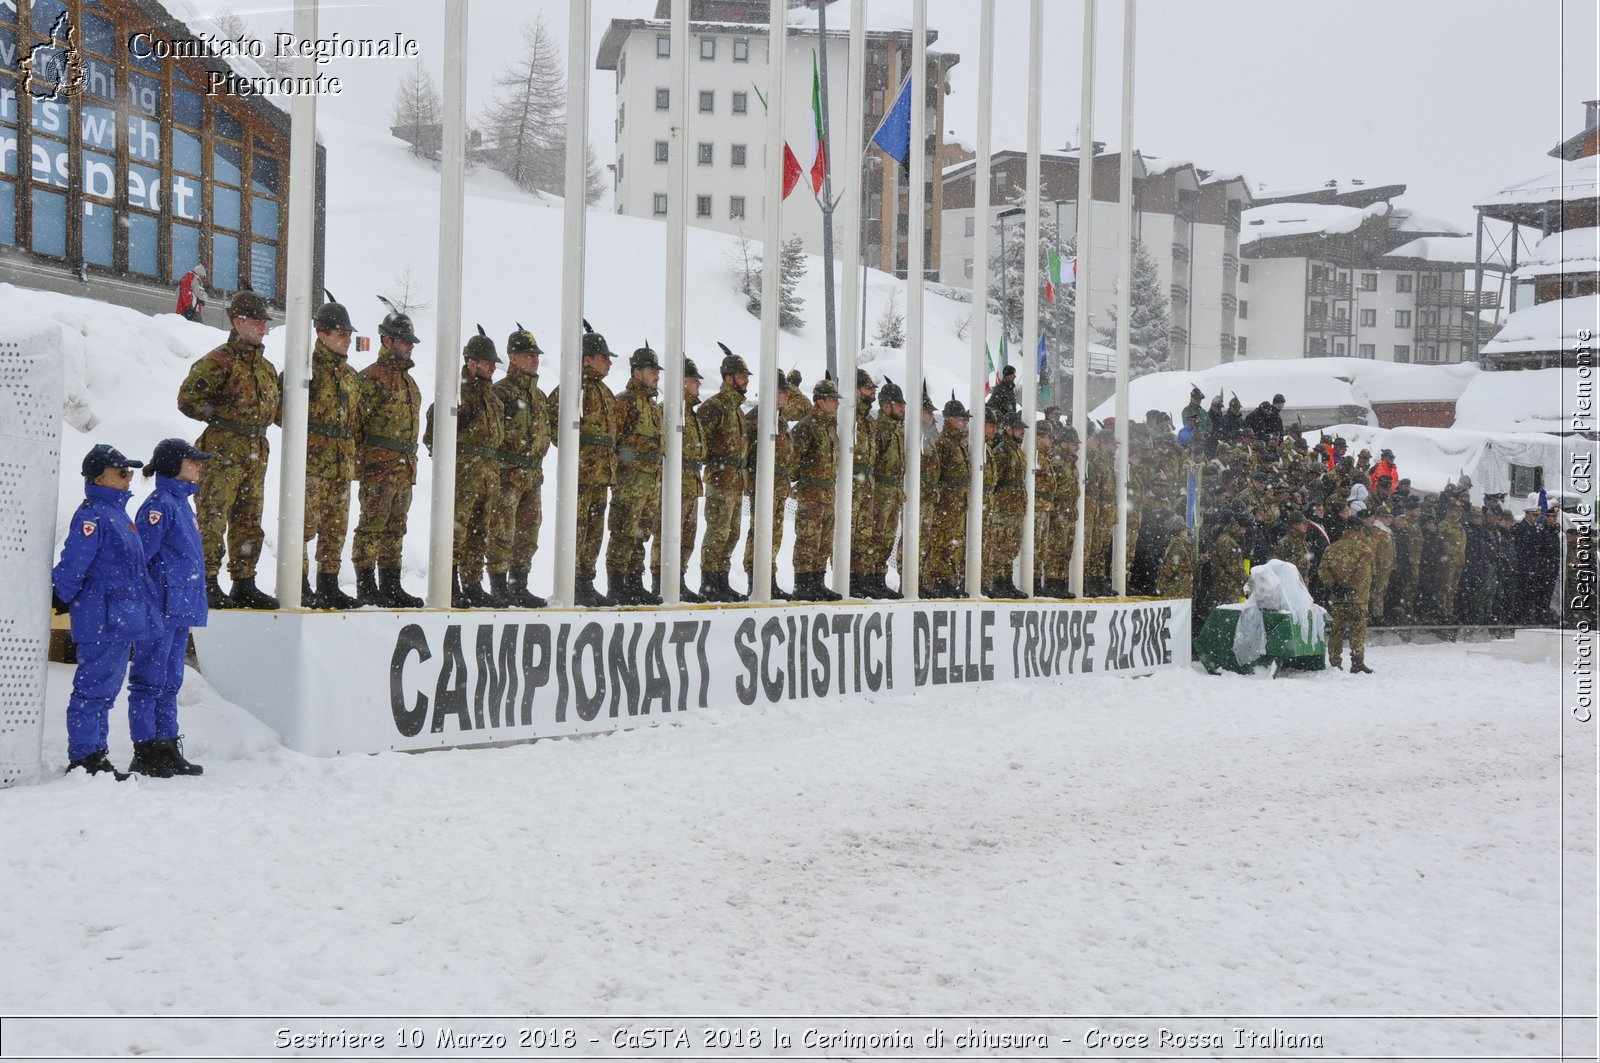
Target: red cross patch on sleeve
(155, 516)
(88, 528)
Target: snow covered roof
(1566, 183)
(1518, 400)
(1418, 383)
(1155, 166)
(1350, 193)
(1449, 250)
(1304, 219)
(1406, 220)
(1551, 326)
(1572, 251)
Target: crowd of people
(1207, 499)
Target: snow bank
(1551, 326)
(1523, 400)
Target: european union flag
(893, 134)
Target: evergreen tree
(891, 327)
(418, 110)
(1149, 326)
(745, 258)
(526, 124)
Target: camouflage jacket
(889, 463)
(1175, 579)
(866, 446)
(480, 423)
(1346, 569)
(1225, 570)
(782, 450)
(1294, 549)
(235, 390)
(722, 424)
(335, 417)
(1010, 478)
(1066, 470)
(640, 442)
(694, 449)
(1044, 478)
(527, 422)
(597, 431)
(1455, 542)
(952, 471)
(392, 405)
(815, 453)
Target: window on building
(1429, 317)
(1242, 346)
(661, 151)
(708, 47)
(741, 50)
(702, 154)
(708, 101)
(741, 102)
(1402, 282)
(622, 115)
(663, 45)
(702, 206)
(736, 155)
(971, 227)
(1369, 282)
(1402, 318)
(1430, 282)
(659, 202)
(1244, 273)
(736, 207)
(1430, 354)
(966, 267)
(1369, 319)
(663, 99)
(1367, 350)
(1244, 308)
(1339, 349)
(619, 169)
(1402, 352)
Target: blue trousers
(154, 683)
(102, 666)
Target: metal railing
(1325, 286)
(1455, 297)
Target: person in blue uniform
(101, 578)
(170, 533)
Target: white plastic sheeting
(1275, 587)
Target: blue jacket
(102, 574)
(171, 537)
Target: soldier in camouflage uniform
(387, 465)
(636, 499)
(480, 429)
(1346, 572)
(861, 506)
(1175, 579)
(1044, 501)
(945, 548)
(1454, 537)
(1224, 568)
(722, 420)
(888, 488)
(815, 464)
(1004, 512)
(597, 464)
(514, 538)
(1384, 558)
(1100, 486)
(236, 392)
(928, 504)
(1063, 514)
(1294, 548)
(787, 410)
(694, 459)
(333, 422)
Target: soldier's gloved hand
(57, 606)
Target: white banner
(366, 681)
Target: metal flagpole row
(911, 533)
(977, 451)
(447, 325)
(1029, 374)
(1080, 332)
(849, 295)
(1119, 539)
(672, 354)
(771, 263)
(572, 265)
(297, 342)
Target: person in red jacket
(1385, 467)
(192, 293)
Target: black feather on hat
(586, 326)
(329, 296)
(392, 308)
(481, 332)
(725, 348)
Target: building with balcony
(727, 127)
(120, 171)
(1340, 271)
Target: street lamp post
(1005, 271)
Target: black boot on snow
(521, 597)
(172, 750)
(367, 592)
(330, 595)
(97, 763)
(216, 597)
(246, 596)
(391, 594)
(148, 759)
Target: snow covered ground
(1178, 845)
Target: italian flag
(791, 165)
(1062, 271)
(819, 143)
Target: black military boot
(148, 760)
(521, 597)
(585, 596)
(824, 592)
(246, 596)
(1359, 667)
(887, 591)
(862, 586)
(96, 763)
(714, 587)
(457, 601)
(499, 592)
(620, 588)
(1012, 590)
(329, 594)
(308, 597)
(393, 595)
(172, 750)
(646, 595)
(367, 592)
(473, 594)
(216, 598)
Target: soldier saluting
(235, 391)
(387, 464)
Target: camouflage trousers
(944, 547)
(1097, 542)
(780, 496)
(635, 517)
(591, 526)
(477, 496)
(327, 519)
(813, 529)
(888, 501)
(514, 537)
(863, 544)
(228, 502)
(1002, 542)
(724, 510)
(1063, 540)
(381, 528)
(1380, 593)
(1349, 624)
(1447, 593)
(689, 527)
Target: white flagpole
(1080, 334)
(911, 526)
(849, 298)
(1029, 374)
(1119, 539)
(761, 565)
(672, 400)
(977, 450)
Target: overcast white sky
(1455, 98)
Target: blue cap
(170, 454)
(105, 456)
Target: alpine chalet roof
(1572, 251)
